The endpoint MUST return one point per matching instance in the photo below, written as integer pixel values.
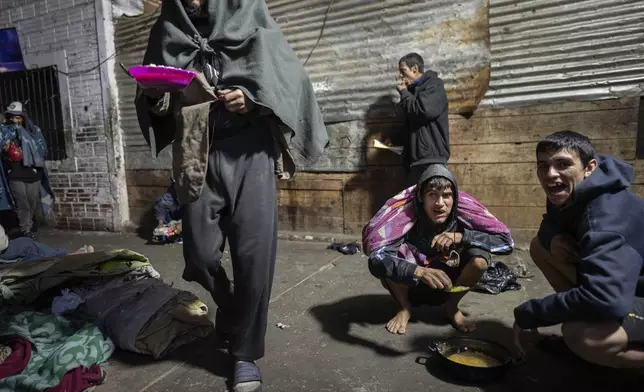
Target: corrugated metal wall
(541, 51)
(354, 65)
(554, 50)
(131, 39)
(133, 7)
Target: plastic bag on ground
(497, 279)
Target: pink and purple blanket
(398, 216)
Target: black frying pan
(443, 349)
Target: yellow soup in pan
(474, 359)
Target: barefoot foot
(460, 322)
(398, 324)
(84, 249)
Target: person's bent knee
(595, 343)
(479, 263)
(576, 336)
(539, 255)
(537, 251)
(375, 268)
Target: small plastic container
(167, 79)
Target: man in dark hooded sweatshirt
(590, 249)
(437, 231)
(248, 116)
(424, 103)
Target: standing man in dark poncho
(249, 115)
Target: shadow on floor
(209, 354)
(541, 372)
(337, 318)
(147, 225)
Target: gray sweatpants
(27, 198)
(237, 203)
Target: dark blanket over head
(249, 51)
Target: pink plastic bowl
(164, 78)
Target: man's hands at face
(401, 83)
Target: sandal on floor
(247, 377)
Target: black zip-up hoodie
(607, 221)
(426, 123)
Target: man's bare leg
(400, 292)
(604, 344)
(471, 274)
(560, 274)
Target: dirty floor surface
(335, 338)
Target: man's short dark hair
(412, 59)
(437, 183)
(569, 141)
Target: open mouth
(557, 188)
(439, 212)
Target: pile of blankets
(121, 301)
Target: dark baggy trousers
(237, 203)
(27, 198)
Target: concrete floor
(336, 340)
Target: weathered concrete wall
(493, 159)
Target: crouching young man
(428, 239)
(590, 249)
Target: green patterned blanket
(59, 345)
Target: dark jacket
(426, 123)
(168, 207)
(385, 263)
(17, 171)
(246, 47)
(606, 219)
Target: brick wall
(68, 28)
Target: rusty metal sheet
(131, 39)
(545, 51)
(354, 65)
(352, 69)
(133, 7)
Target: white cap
(14, 108)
